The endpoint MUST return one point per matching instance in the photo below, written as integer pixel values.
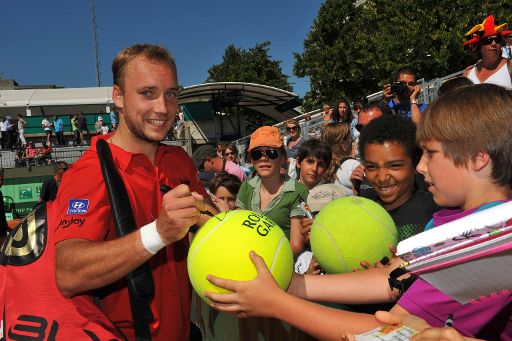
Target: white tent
(56, 101)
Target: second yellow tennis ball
(351, 229)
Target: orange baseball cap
(266, 136)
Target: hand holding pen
(180, 209)
(164, 189)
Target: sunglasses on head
(257, 154)
(489, 40)
(291, 128)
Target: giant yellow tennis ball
(221, 248)
(351, 229)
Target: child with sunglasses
(269, 192)
(276, 196)
(465, 170)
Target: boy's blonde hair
(470, 120)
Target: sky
(50, 42)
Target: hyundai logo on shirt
(78, 206)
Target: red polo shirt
(83, 211)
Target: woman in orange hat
(487, 39)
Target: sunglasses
(291, 128)
(489, 40)
(257, 154)
(64, 169)
(228, 153)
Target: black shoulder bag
(140, 281)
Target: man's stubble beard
(139, 133)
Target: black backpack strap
(140, 281)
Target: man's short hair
(405, 70)
(391, 128)
(469, 120)
(377, 104)
(151, 52)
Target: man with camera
(402, 95)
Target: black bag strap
(140, 281)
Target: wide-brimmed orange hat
(266, 136)
(486, 29)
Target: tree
(354, 48)
(252, 66)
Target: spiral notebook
(470, 273)
(466, 268)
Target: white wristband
(151, 238)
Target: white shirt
(46, 124)
(21, 123)
(500, 77)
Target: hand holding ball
(351, 229)
(221, 248)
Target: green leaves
(254, 66)
(354, 48)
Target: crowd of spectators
(363, 149)
(31, 156)
(384, 164)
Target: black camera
(400, 89)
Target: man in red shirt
(89, 254)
